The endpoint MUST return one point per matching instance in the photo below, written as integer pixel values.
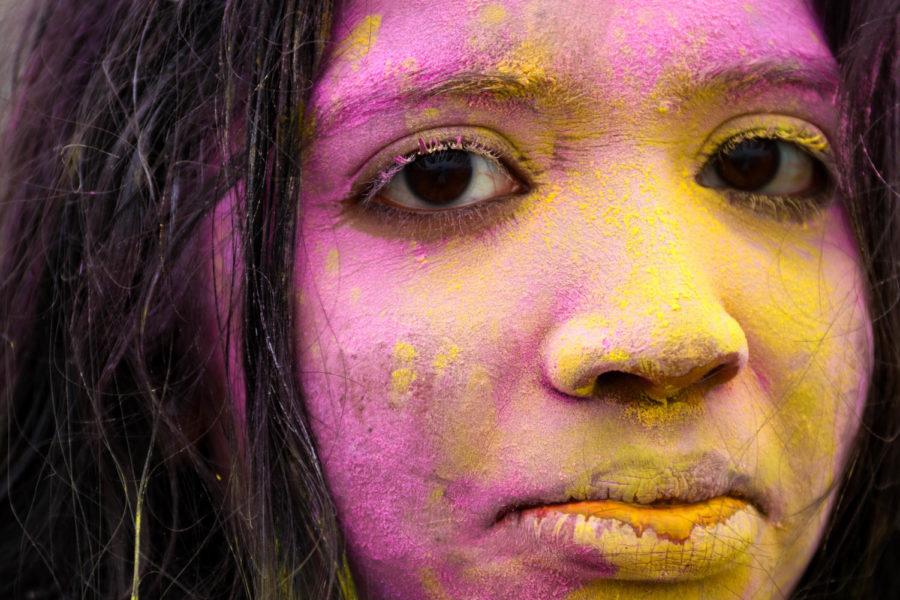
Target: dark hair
(130, 120)
(860, 552)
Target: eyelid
(393, 158)
(772, 126)
(798, 132)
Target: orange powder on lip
(673, 522)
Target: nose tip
(584, 360)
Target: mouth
(674, 524)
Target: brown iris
(749, 165)
(440, 178)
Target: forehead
(602, 49)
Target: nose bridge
(662, 325)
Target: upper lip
(673, 482)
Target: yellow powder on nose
(617, 356)
(673, 522)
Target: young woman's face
(578, 314)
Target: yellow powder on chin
(673, 522)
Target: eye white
(795, 172)
(489, 180)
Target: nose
(654, 356)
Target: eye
(446, 179)
(767, 167)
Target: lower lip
(643, 542)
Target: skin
(447, 364)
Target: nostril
(720, 373)
(630, 385)
(619, 383)
(713, 374)
(616, 379)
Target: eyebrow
(524, 89)
(813, 74)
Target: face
(578, 315)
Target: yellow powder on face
(404, 352)
(409, 64)
(401, 379)
(656, 415)
(527, 62)
(470, 430)
(433, 588)
(674, 522)
(360, 40)
(444, 359)
(717, 585)
(418, 119)
(437, 494)
(813, 141)
(492, 14)
(617, 356)
(403, 375)
(332, 261)
(582, 485)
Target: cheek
(406, 362)
(801, 302)
(384, 350)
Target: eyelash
(794, 209)
(458, 221)
(473, 217)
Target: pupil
(750, 165)
(441, 177)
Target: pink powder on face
(444, 365)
